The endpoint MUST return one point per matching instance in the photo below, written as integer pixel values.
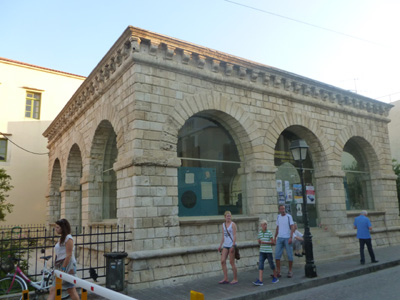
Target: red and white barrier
(91, 287)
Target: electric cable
(22, 148)
(304, 23)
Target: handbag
(237, 253)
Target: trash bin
(115, 270)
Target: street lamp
(299, 152)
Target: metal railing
(27, 242)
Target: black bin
(115, 270)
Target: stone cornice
(140, 45)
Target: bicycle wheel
(15, 292)
(49, 282)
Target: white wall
(29, 171)
(394, 130)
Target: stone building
(394, 130)
(164, 136)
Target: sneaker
(275, 280)
(258, 283)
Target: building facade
(30, 98)
(164, 136)
(394, 129)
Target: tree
(5, 186)
(396, 169)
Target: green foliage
(396, 169)
(14, 244)
(5, 186)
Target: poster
(298, 197)
(299, 209)
(206, 190)
(289, 196)
(310, 193)
(281, 198)
(287, 185)
(288, 209)
(279, 186)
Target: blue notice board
(197, 191)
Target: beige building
(30, 98)
(164, 136)
(394, 130)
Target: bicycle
(13, 284)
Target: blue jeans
(283, 243)
(263, 257)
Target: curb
(288, 289)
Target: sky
(351, 44)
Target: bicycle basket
(6, 265)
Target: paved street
(342, 278)
(382, 284)
(339, 269)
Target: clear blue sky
(73, 36)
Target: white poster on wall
(289, 195)
(310, 192)
(206, 190)
(299, 211)
(279, 186)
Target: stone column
(331, 200)
(261, 191)
(385, 197)
(148, 202)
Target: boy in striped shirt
(265, 240)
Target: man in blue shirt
(363, 226)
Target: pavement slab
(336, 269)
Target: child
(266, 240)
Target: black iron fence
(91, 243)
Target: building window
(3, 149)
(357, 179)
(208, 181)
(32, 105)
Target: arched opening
(104, 153)
(55, 195)
(73, 188)
(357, 179)
(209, 182)
(288, 183)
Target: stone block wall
(147, 87)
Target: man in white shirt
(283, 239)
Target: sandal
(223, 282)
(290, 274)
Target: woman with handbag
(65, 259)
(227, 247)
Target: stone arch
(244, 130)
(103, 155)
(233, 117)
(307, 129)
(366, 141)
(73, 188)
(54, 197)
(107, 112)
